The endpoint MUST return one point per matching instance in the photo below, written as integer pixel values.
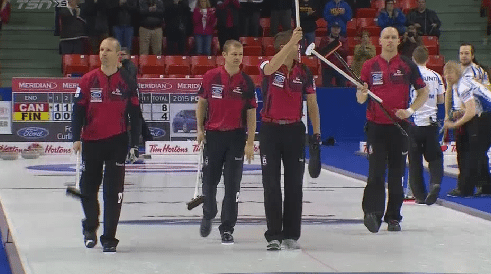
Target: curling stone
(30, 154)
(37, 147)
(10, 155)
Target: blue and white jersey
(472, 71)
(469, 89)
(427, 113)
(477, 73)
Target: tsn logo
(40, 4)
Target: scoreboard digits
(42, 107)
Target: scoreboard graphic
(42, 108)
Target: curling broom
(197, 199)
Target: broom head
(195, 202)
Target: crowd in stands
(200, 27)
(486, 12)
(5, 10)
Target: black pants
(75, 46)
(176, 43)
(387, 147)
(224, 150)
(111, 152)
(225, 34)
(287, 143)
(474, 165)
(424, 141)
(461, 147)
(485, 143)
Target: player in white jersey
(424, 134)
(476, 122)
(470, 70)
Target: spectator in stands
(72, 33)
(122, 28)
(471, 70)
(308, 17)
(410, 41)
(392, 17)
(326, 45)
(425, 20)
(281, 14)
(95, 13)
(338, 11)
(363, 51)
(151, 19)
(193, 4)
(362, 4)
(177, 16)
(486, 10)
(250, 13)
(5, 10)
(204, 20)
(228, 20)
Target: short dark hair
(281, 38)
(420, 54)
(231, 43)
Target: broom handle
(77, 170)
(297, 24)
(198, 174)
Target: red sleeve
(343, 50)
(196, 16)
(253, 101)
(415, 78)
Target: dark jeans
(176, 43)
(424, 141)
(203, 44)
(282, 143)
(224, 150)
(75, 46)
(124, 34)
(250, 23)
(280, 17)
(111, 152)
(387, 147)
(225, 34)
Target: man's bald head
(390, 30)
(389, 40)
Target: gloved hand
(315, 155)
(315, 139)
(133, 155)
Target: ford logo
(156, 132)
(33, 132)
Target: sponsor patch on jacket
(95, 95)
(117, 92)
(279, 80)
(237, 90)
(297, 80)
(216, 91)
(377, 78)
